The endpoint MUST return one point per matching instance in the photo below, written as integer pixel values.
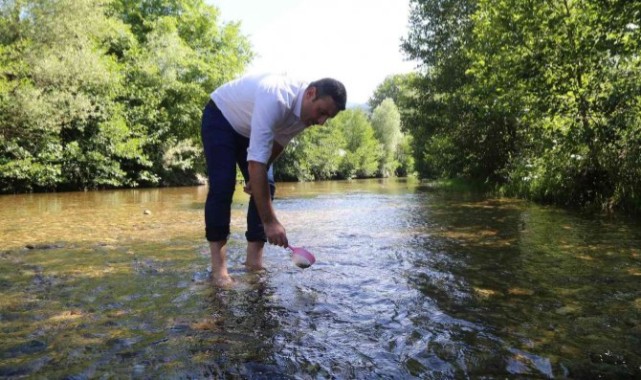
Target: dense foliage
(399, 88)
(103, 94)
(97, 94)
(351, 145)
(542, 98)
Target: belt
(211, 104)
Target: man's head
(323, 99)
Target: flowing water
(410, 282)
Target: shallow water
(409, 283)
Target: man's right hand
(259, 188)
(247, 188)
(275, 233)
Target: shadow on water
(409, 283)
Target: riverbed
(410, 282)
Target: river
(410, 282)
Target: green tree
(57, 98)
(439, 30)
(401, 88)
(386, 121)
(346, 147)
(362, 149)
(183, 55)
(107, 94)
(570, 78)
(313, 155)
(405, 156)
(397, 87)
(539, 97)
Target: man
(248, 122)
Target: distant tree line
(354, 144)
(540, 99)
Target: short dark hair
(332, 88)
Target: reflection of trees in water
(540, 281)
(462, 248)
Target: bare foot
(254, 267)
(224, 281)
(219, 275)
(254, 261)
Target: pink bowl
(302, 257)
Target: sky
(354, 41)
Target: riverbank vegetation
(540, 100)
(354, 144)
(103, 94)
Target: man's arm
(277, 149)
(274, 231)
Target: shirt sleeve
(269, 110)
(285, 138)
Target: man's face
(316, 111)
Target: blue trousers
(224, 149)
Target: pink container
(302, 257)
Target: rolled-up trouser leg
(221, 145)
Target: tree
(184, 55)
(362, 150)
(345, 147)
(439, 30)
(405, 157)
(396, 87)
(569, 79)
(386, 121)
(540, 98)
(100, 94)
(57, 98)
(400, 88)
(316, 154)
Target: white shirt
(265, 108)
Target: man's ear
(310, 93)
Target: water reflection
(409, 283)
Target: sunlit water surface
(409, 282)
